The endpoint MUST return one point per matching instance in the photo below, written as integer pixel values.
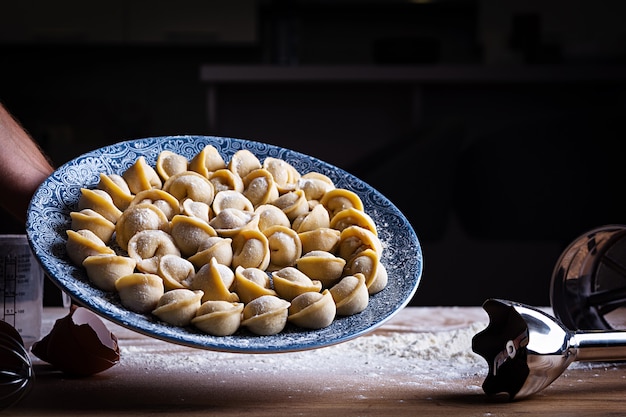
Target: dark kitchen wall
(510, 147)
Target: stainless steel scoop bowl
(527, 349)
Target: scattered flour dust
(416, 356)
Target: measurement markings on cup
(9, 288)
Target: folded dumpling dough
(293, 203)
(207, 161)
(269, 215)
(231, 199)
(177, 307)
(316, 218)
(338, 199)
(141, 176)
(284, 246)
(175, 271)
(216, 247)
(94, 221)
(250, 249)
(313, 310)
(218, 318)
(350, 294)
(243, 162)
(136, 218)
(285, 175)
(148, 246)
(225, 179)
(116, 186)
(215, 280)
(251, 283)
(100, 202)
(315, 185)
(290, 282)
(190, 233)
(104, 270)
(170, 163)
(266, 315)
(83, 243)
(159, 198)
(259, 187)
(190, 184)
(322, 239)
(322, 266)
(368, 263)
(140, 292)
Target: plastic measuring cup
(21, 287)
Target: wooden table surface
(418, 363)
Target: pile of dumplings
(223, 245)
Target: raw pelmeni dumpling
(94, 221)
(231, 221)
(190, 184)
(270, 215)
(137, 218)
(231, 199)
(284, 245)
(285, 175)
(368, 263)
(100, 202)
(218, 318)
(339, 199)
(206, 161)
(259, 187)
(148, 246)
(353, 217)
(322, 266)
(116, 187)
(251, 283)
(189, 233)
(250, 249)
(350, 295)
(178, 307)
(225, 179)
(322, 239)
(315, 219)
(170, 163)
(175, 270)
(195, 209)
(104, 270)
(290, 282)
(266, 315)
(315, 185)
(293, 203)
(243, 162)
(215, 281)
(141, 176)
(312, 310)
(216, 247)
(355, 239)
(140, 292)
(160, 199)
(83, 243)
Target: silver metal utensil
(588, 288)
(16, 369)
(527, 349)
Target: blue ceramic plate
(49, 218)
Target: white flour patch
(424, 356)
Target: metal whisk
(16, 369)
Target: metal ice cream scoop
(527, 349)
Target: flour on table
(426, 356)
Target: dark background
(513, 149)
